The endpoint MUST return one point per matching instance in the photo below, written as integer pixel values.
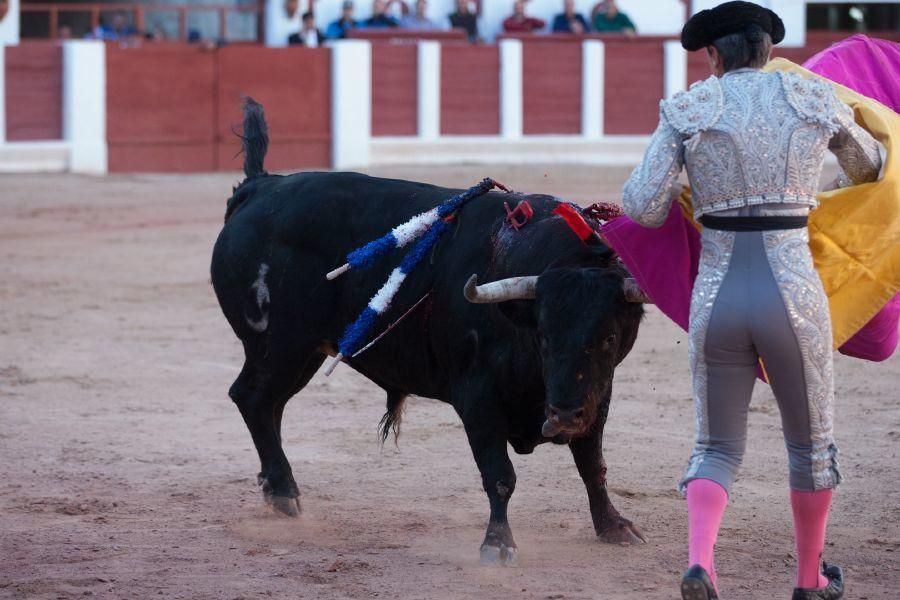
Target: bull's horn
(633, 292)
(514, 288)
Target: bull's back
(297, 228)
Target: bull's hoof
(622, 531)
(499, 556)
(289, 507)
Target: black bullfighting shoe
(696, 585)
(833, 591)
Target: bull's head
(586, 322)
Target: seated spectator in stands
(380, 19)
(156, 34)
(607, 18)
(283, 25)
(570, 21)
(338, 29)
(308, 36)
(117, 29)
(520, 22)
(463, 18)
(418, 20)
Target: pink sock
(706, 502)
(810, 517)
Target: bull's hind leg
(261, 395)
(611, 527)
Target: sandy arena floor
(126, 472)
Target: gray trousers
(757, 296)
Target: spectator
(64, 32)
(156, 34)
(607, 18)
(309, 35)
(570, 21)
(195, 37)
(520, 22)
(463, 18)
(284, 23)
(118, 29)
(380, 19)
(338, 29)
(418, 20)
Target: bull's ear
(520, 312)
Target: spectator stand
(83, 20)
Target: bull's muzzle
(563, 421)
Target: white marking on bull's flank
(262, 299)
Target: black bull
(530, 368)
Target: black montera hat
(707, 26)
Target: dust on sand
(127, 472)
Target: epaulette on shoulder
(813, 99)
(696, 109)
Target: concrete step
(50, 156)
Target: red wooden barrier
(470, 90)
(33, 91)
(161, 108)
(633, 85)
(294, 87)
(551, 86)
(180, 113)
(394, 94)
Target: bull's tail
(254, 144)
(392, 416)
(255, 140)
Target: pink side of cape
(664, 261)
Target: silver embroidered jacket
(746, 139)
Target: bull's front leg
(611, 527)
(487, 438)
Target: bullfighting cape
(854, 234)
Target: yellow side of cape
(854, 234)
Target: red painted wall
(551, 86)
(33, 73)
(394, 94)
(470, 89)
(633, 86)
(174, 107)
(294, 87)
